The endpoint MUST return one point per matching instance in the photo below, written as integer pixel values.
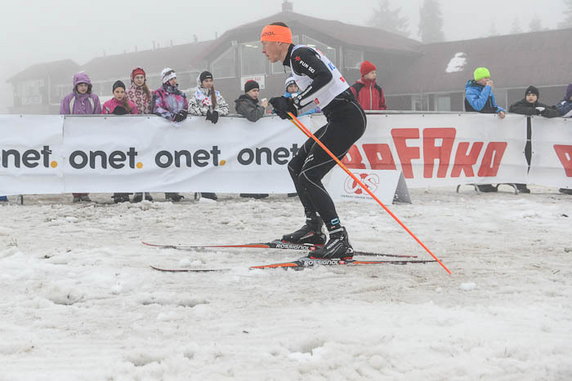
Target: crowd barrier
(50, 154)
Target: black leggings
(346, 124)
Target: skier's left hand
(282, 106)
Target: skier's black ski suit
(346, 124)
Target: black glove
(282, 106)
(119, 110)
(180, 116)
(212, 116)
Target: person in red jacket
(368, 93)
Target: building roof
(358, 36)
(178, 57)
(42, 70)
(539, 58)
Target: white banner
(444, 149)
(30, 153)
(53, 154)
(119, 154)
(551, 152)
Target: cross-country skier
(321, 85)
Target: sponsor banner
(53, 154)
(551, 152)
(127, 154)
(444, 149)
(30, 148)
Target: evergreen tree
(535, 24)
(431, 22)
(388, 19)
(567, 22)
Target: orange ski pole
(309, 134)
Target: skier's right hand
(282, 106)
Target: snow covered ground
(78, 300)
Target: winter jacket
(110, 105)
(168, 101)
(480, 99)
(369, 94)
(143, 101)
(249, 108)
(200, 101)
(311, 111)
(565, 108)
(76, 103)
(526, 108)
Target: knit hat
(205, 75)
(289, 81)
(481, 72)
(167, 74)
(249, 85)
(118, 84)
(137, 71)
(568, 92)
(532, 90)
(366, 67)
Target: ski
(269, 245)
(306, 262)
(183, 270)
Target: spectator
(479, 97)
(248, 105)
(293, 90)
(119, 105)
(565, 110)
(80, 101)
(170, 103)
(368, 93)
(140, 94)
(530, 105)
(206, 101)
(565, 106)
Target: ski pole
(309, 134)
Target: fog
(35, 31)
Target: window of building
(442, 103)
(417, 103)
(329, 51)
(352, 58)
(225, 65)
(252, 61)
(31, 92)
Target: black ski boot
(174, 197)
(338, 247)
(309, 233)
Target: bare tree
(389, 19)
(431, 22)
(567, 22)
(535, 24)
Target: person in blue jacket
(293, 90)
(479, 97)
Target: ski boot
(120, 197)
(311, 232)
(175, 197)
(338, 247)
